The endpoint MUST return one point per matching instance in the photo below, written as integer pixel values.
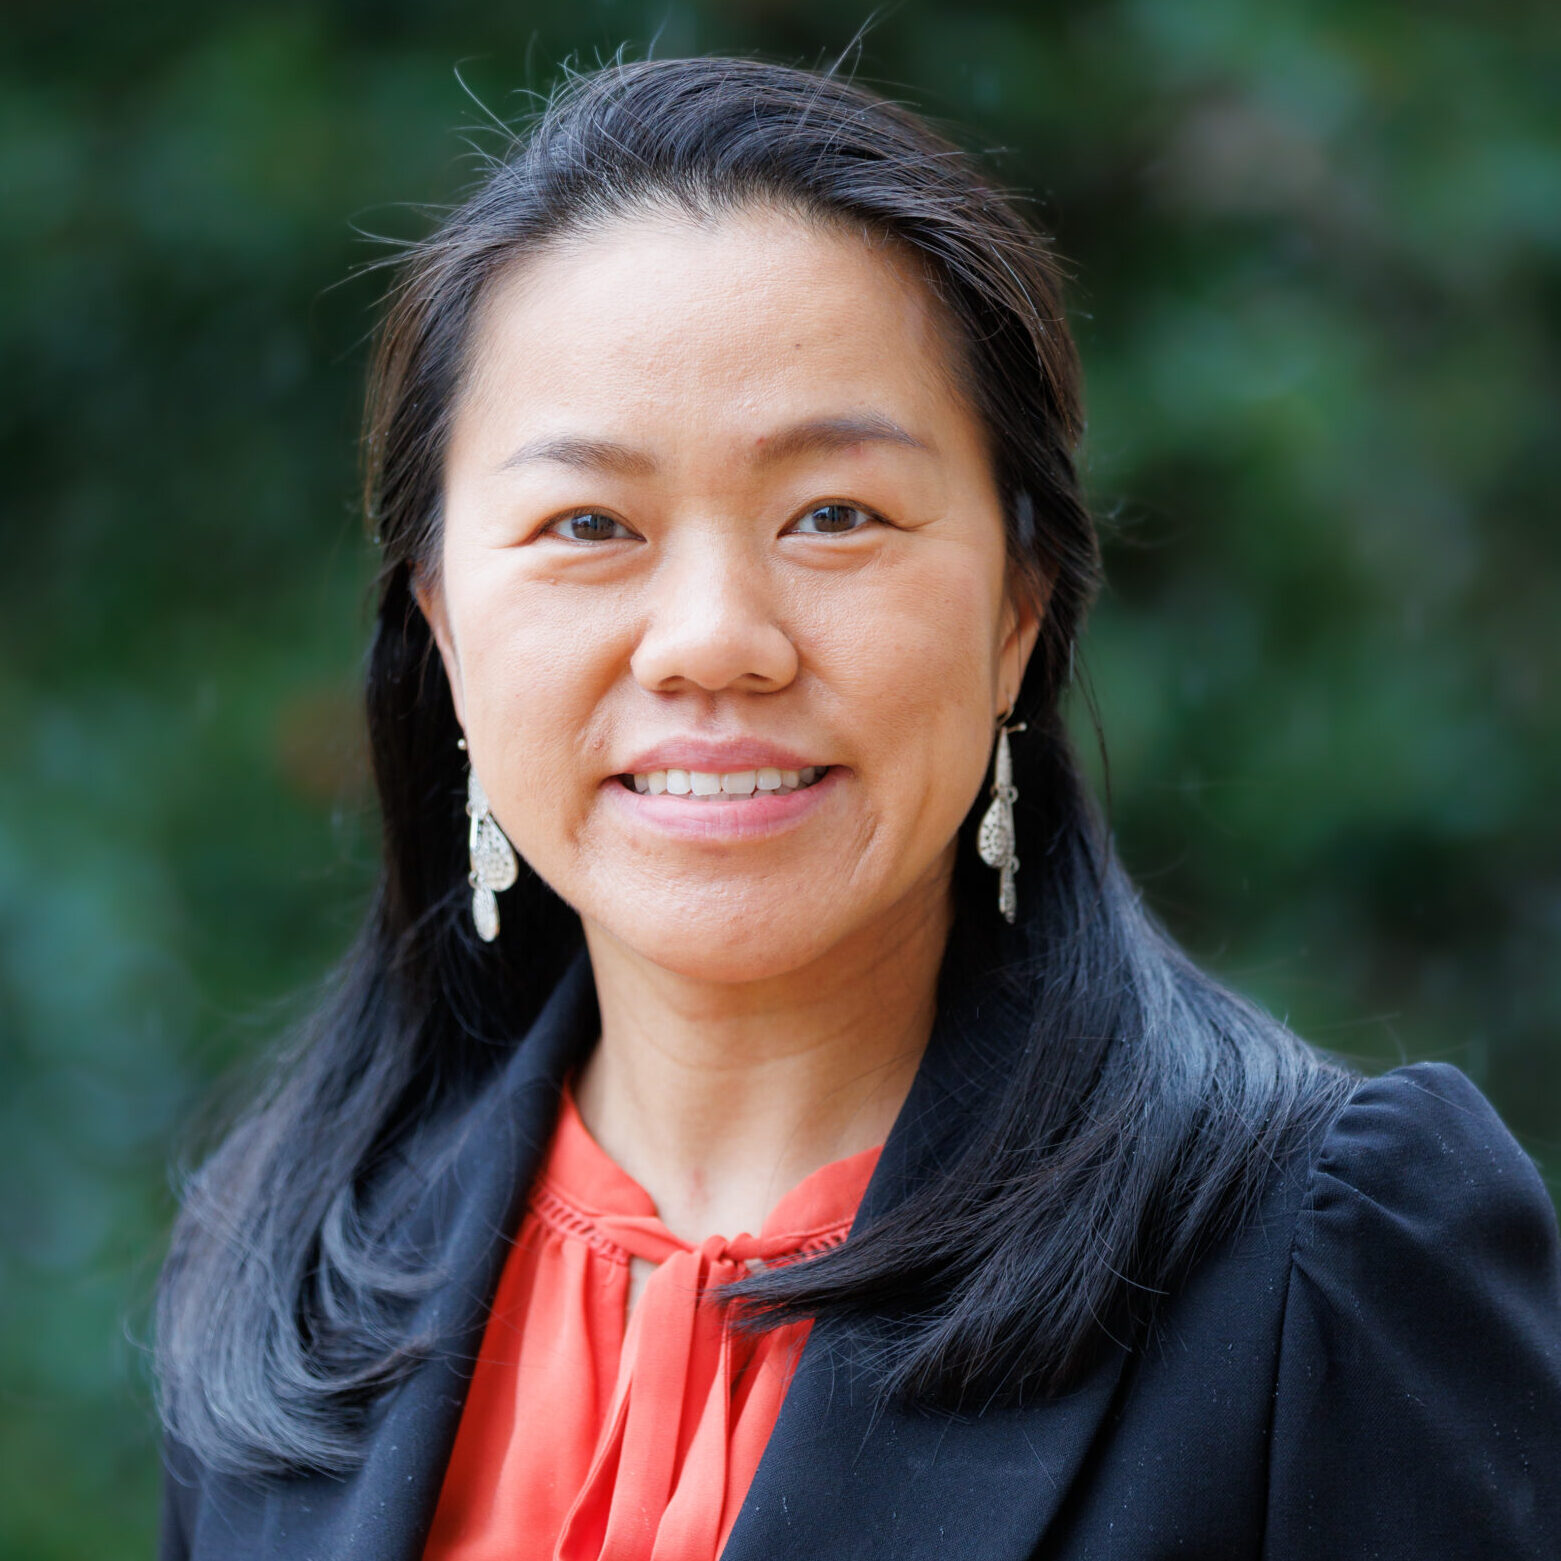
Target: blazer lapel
(382, 1512)
(846, 1475)
(845, 1478)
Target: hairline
(702, 205)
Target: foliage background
(1318, 256)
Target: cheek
(536, 671)
(914, 665)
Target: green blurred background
(1318, 262)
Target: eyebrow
(817, 436)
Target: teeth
(739, 783)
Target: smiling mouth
(706, 785)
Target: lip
(721, 820)
(714, 757)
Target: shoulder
(1417, 1406)
(1418, 1166)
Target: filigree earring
(996, 839)
(494, 864)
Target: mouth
(707, 785)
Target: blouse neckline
(582, 1191)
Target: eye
(589, 526)
(833, 520)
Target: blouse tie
(650, 1493)
(596, 1431)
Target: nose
(711, 622)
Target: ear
(430, 601)
(1023, 609)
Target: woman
(721, 455)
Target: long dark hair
(1146, 1103)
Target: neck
(718, 1097)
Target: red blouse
(585, 1439)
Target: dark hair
(1147, 1102)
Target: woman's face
(723, 597)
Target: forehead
(720, 326)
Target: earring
(996, 838)
(494, 865)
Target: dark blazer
(1371, 1368)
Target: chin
(730, 944)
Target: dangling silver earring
(996, 839)
(494, 865)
